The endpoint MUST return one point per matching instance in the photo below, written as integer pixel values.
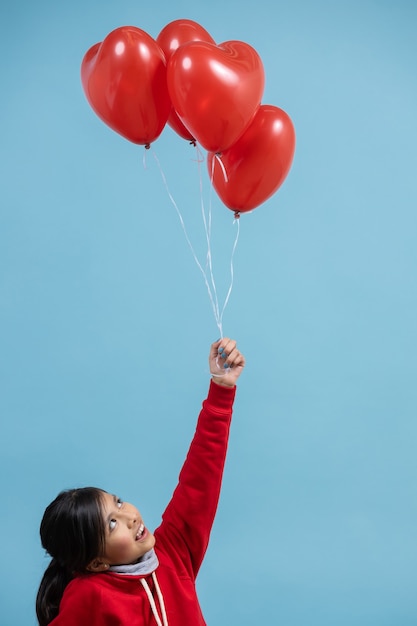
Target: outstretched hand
(226, 362)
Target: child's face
(127, 539)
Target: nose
(131, 519)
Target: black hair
(73, 533)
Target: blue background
(105, 322)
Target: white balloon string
(200, 155)
(145, 165)
(220, 162)
(237, 222)
(207, 222)
(213, 304)
(208, 235)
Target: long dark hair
(72, 532)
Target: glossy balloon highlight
(124, 80)
(257, 164)
(215, 90)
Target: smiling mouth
(141, 532)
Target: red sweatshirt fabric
(110, 599)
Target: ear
(96, 566)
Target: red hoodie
(111, 599)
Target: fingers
(226, 362)
(228, 352)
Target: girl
(107, 567)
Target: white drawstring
(160, 598)
(152, 601)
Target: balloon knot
(237, 215)
(193, 143)
(147, 146)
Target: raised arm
(188, 518)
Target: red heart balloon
(215, 90)
(124, 80)
(257, 164)
(171, 37)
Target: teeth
(140, 531)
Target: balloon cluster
(206, 92)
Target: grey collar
(146, 565)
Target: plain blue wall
(105, 322)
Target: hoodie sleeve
(188, 519)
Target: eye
(113, 522)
